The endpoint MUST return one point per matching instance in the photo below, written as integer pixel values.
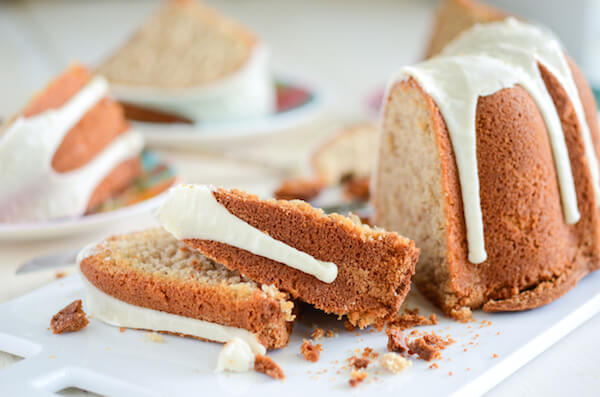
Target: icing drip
(193, 212)
(480, 62)
(31, 189)
(523, 46)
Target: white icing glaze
(121, 314)
(31, 189)
(480, 62)
(235, 356)
(248, 93)
(523, 46)
(192, 211)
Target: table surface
(348, 48)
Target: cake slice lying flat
(332, 262)
(149, 280)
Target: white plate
(103, 360)
(185, 136)
(70, 226)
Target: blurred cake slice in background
(67, 151)
(348, 153)
(454, 17)
(190, 62)
(344, 159)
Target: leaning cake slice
(149, 280)
(333, 262)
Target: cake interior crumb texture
(152, 269)
(184, 44)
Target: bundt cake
(67, 151)
(194, 63)
(454, 17)
(488, 160)
(333, 262)
(149, 280)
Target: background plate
(146, 193)
(297, 103)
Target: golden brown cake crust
(261, 315)
(533, 256)
(374, 268)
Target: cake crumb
(429, 345)
(70, 319)
(434, 366)
(369, 353)
(58, 275)
(318, 333)
(267, 366)
(311, 352)
(396, 340)
(450, 373)
(358, 362)
(495, 355)
(154, 337)
(299, 189)
(394, 363)
(412, 319)
(356, 377)
(424, 350)
(122, 329)
(330, 334)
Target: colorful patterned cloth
(155, 178)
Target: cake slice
(149, 280)
(349, 153)
(189, 62)
(454, 17)
(69, 149)
(333, 262)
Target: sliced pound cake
(149, 280)
(333, 262)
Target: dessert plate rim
(184, 135)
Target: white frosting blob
(121, 314)
(193, 212)
(31, 189)
(248, 93)
(480, 62)
(235, 356)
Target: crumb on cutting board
(311, 352)
(267, 366)
(71, 318)
(356, 377)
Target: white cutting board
(104, 360)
